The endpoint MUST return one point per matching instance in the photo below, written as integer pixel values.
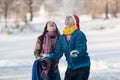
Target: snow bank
(16, 62)
(104, 65)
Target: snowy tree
(114, 9)
(96, 8)
(6, 7)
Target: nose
(51, 24)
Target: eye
(68, 19)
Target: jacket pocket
(76, 60)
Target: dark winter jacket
(77, 42)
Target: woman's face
(69, 21)
(51, 26)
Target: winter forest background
(21, 21)
(17, 14)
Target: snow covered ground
(16, 52)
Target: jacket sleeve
(58, 52)
(81, 44)
(38, 48)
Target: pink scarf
(49, 45)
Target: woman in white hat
(73, 44)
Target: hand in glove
(37, 57)
(43, 56)
(74, 53)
